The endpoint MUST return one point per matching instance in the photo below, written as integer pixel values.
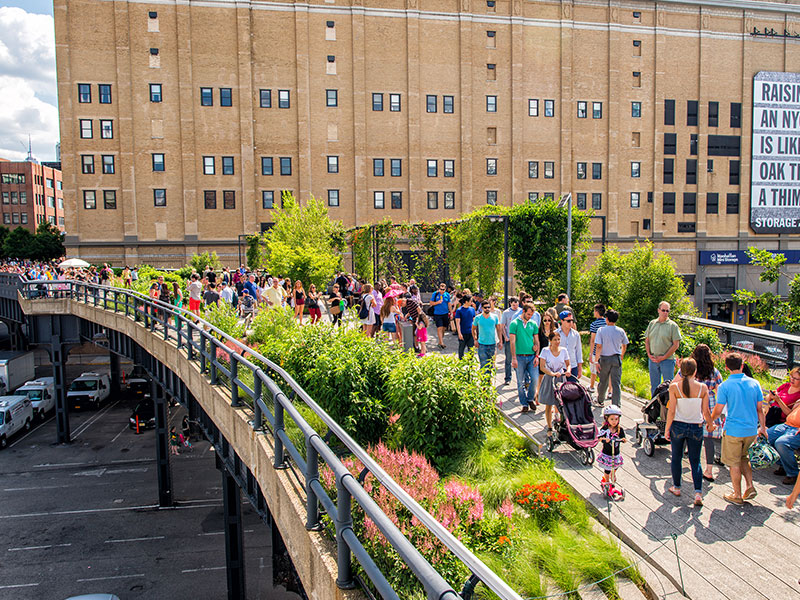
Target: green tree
(475, 250)
(4, 231)
(48, 242)
(20, 243)
(253, 252)
(770, 306)
(201, 261)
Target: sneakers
(779, 471)
(592, 391)
(789, 480)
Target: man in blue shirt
(440, 301)
(509, 314)
(464, 317)
(743, 396)
(486, 328)
(599, 321)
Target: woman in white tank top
(687, 412)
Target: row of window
(49, 219)
(691, 171)
(718, 145)
(13, 178)
(106, 129)
(15, 197)
(85, 93)
(690, 203)
(15, 218)
(693, 113)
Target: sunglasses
(666, 310)
(568, 320)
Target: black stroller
(650, 431)
(576, 424)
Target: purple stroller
(576, 425)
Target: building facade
(182, 122)
(31, 194)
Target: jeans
(692, 436)
(610, 369)
(486, 355)
(664, 370)
(467, 342)
(509, 356)
(784, 439)
(527, 371)
(711, 445)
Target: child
(422, 333)
(610, 459)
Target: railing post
(203, 358)
(234, 375)
(344, 520)
(312, 474)
(212, 356)
(280, 461)
(790, 357)
(179, 330)
(728, 337)
(257, 415)
(189, 341)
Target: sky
(28, 102)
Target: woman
(312, 301)
(336, 305)
(299, 300)
(554, 364)
(686, 412)
(781, 435)
(549, 324)
(708, 374)
(377, 293)
(390, 315)
(177, 298)
(782, 400)
(367, 303)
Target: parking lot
(83, 518)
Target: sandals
(674, 490)
(698, 499)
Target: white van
(41, 393)
(88, 391)
(16, 413)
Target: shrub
(223, 316)
(271, 323)
(543, 501)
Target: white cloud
(28, 83)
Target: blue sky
(41, 7)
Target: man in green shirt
(661, 339)
(524, 336)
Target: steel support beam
(162, 445)
(116, 372)
(58, 356)
(234, 535)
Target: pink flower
(506, 508)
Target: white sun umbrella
(73, 262)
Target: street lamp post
(504, 219)
(567, 199)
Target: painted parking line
(202, 569)
(93, 420)
(116, 437)
(34, 430)
(19, 585)
(36, 487)
(141, 539)
(110, 577)
(87, 511)
(21, 548)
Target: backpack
(363, 312)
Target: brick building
(31, 194)
(182, 122)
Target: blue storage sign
(739, 257)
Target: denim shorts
(390, 327)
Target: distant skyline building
(30, 194)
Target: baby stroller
(576, 424)
(650, 431)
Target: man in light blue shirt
(486, 329)
(610, 344)
(509, 314)
(571, 340)
(743, 396)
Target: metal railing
(204, 343)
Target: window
(158, 162)
(491, 39)
(597, 110)
(159, 197)
(5, 198)
(49, 183)
(636, 169)
(634, 199)
(286, 165)
(732, 206)
(86, 129)
(430, 103)
(449, 168)
(713, 114)
(155, 92)
(637, 16)
(333, 164)
(582, 111)
(581, 170)
(208, 165)
(379, 200)
(580, 201)
(267, 199)
(87, 164)
(533, 169)
(533, 107)
(225, 97)
(733, 172)
(396, 166)
(7, 218)
(689, 203)
(377, 102)
(210, 199)
(687, 227)
(491, 72)
(669, 112)
(491, 166)
(108, 164)
(636, 110)
(15, 218)
(331, 97)
(724, 145)
(710, 166)
(549, 169)
(597, 170)
(597, 201)
(533, 196)
(433, 200)
(549, 108)
(433, 168)
(637, 47)
(491, 197)
(669, 203)
(23, 218)
(105, 93)
(693, 144)
(691, 171)
(397, 200)
(206, 97)
(110, 199)
(669, 170)
(84, 93)
(106, 129)
(228, 199)
(227, 165)
(89, 199)
(377, 167)
(449, 200)
(736, 114)
(491, 135)
(712, 203)
(265, 98)
(266, 165)
(284, 99)
(491, 103)
(448, 104)
(394, 102)
(691, 112)
(23, 199)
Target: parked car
(145, 413)
(16, 414)
(89, 390)
(41, 393)
(138, 388)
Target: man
(562, 304)
(506, 318)
(571, 340)
(343, 282)
(195, 293)
(210, 296)
(610, 345)
(247, 307)
(524, 342)
(440, 301)
(742, 395)
(252, 288)
(486, 328)
(275, 294)
(661, 339)
(599, 321)
(464, 316)
(226, 292)
(211, 275)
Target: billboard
(775, 158)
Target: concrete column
(234, 536)
(162, 445)
(116, 373)
(58, 356)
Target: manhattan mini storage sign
(775, 180)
